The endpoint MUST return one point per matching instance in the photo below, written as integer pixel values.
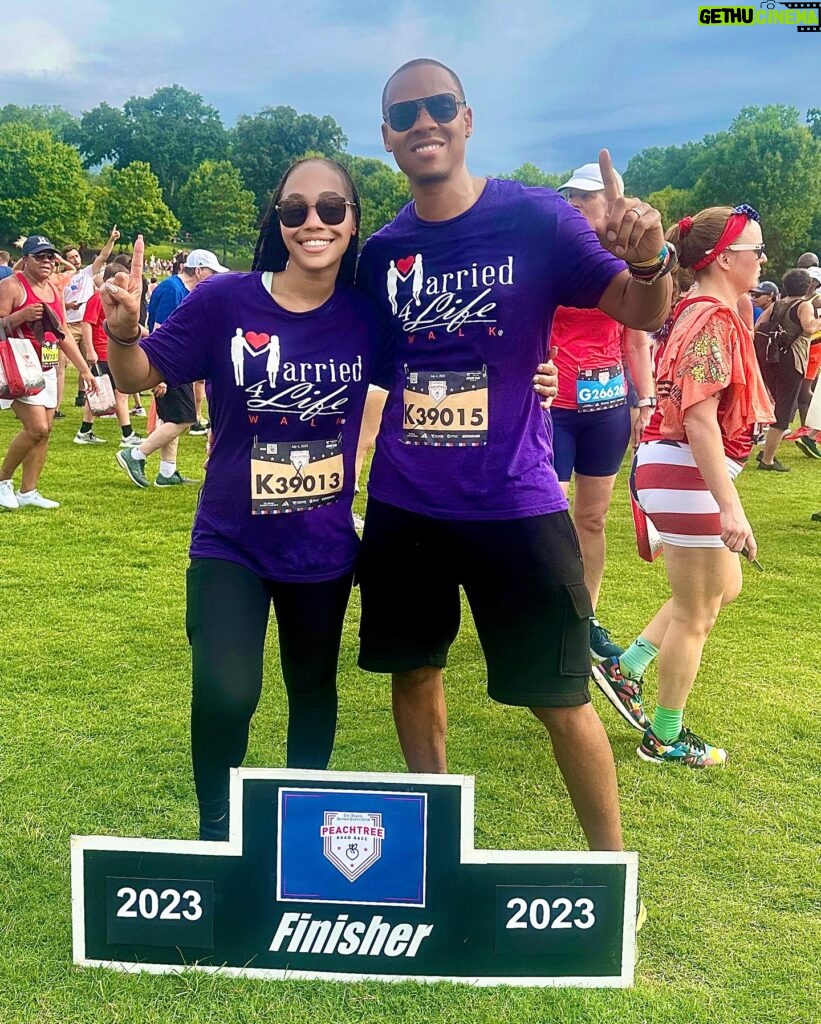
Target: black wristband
(124, 342)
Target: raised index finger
(137, 261)
(612, 188)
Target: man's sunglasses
(330, 209)
(41, 257)
(442, 107)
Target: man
(462, 489)
(76, 294)
(763, 296)
(806, 260)
(5, 259)
(175, 406)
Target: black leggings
(226, 620)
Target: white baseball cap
(815, 273)
(588, 179)
(205, 258)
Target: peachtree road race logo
(805, 16)
(352, 841)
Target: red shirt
(31, 299)
(587, 339)
(95, 314)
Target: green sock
(637, 658)
(667, 723)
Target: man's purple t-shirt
(294, 383)
(471, 302)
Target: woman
(287, 351)
(794, 314)
(32, 307)
(591, 418)
(710, 398)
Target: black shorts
(177, 405)
(523, 579)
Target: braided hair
(271, 252)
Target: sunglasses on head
(442, 107)
(293, 213)
(41, 257)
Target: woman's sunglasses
(758, 249)
(442, 107)
(330, 209)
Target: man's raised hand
(634, 230)
(121, 296)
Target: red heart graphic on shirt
(403, 266)
(257, 341)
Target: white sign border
(469, 855)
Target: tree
(769, 159)
(530, 174)
(671, 203)
(43, 187)
(174, 130)
(382, 191)
(263, 146)
(131, 198)
(59, 122)
(655, 168)
(215, 209)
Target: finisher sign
(349, 876)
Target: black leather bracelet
(125, 343)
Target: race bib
(49, 354)
(295, 476)
(601, 389)
(447, 409)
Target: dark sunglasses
(442, 107)
(41, 257)
(330, 209)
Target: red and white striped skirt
(674, 496)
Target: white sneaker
(139, 411)
(7, 498)
(36, 498)
(88, 437)
(132, 441)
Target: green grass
(94, 705)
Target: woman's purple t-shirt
(274, 378)
(471, 302)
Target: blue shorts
(590, 443)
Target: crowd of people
(437, 336)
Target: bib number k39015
(445, 409)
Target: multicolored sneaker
(623, 692)
(601, 646)
(688, 749)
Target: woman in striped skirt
(710, 399)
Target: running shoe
(795, 434)
(138, 410)
(174, 480)
(59, 415)
(199, 429)
(815, 517)
(7, 498)
(134, 468)
(775, 466)
(809, 446)
(358, 523)
(36, 499)
(132, 441)
(623, 692)
(601, 646)
(688, 749)
(88, 437)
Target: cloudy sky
(549, 82)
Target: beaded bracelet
(125, 343)
(667, 262)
